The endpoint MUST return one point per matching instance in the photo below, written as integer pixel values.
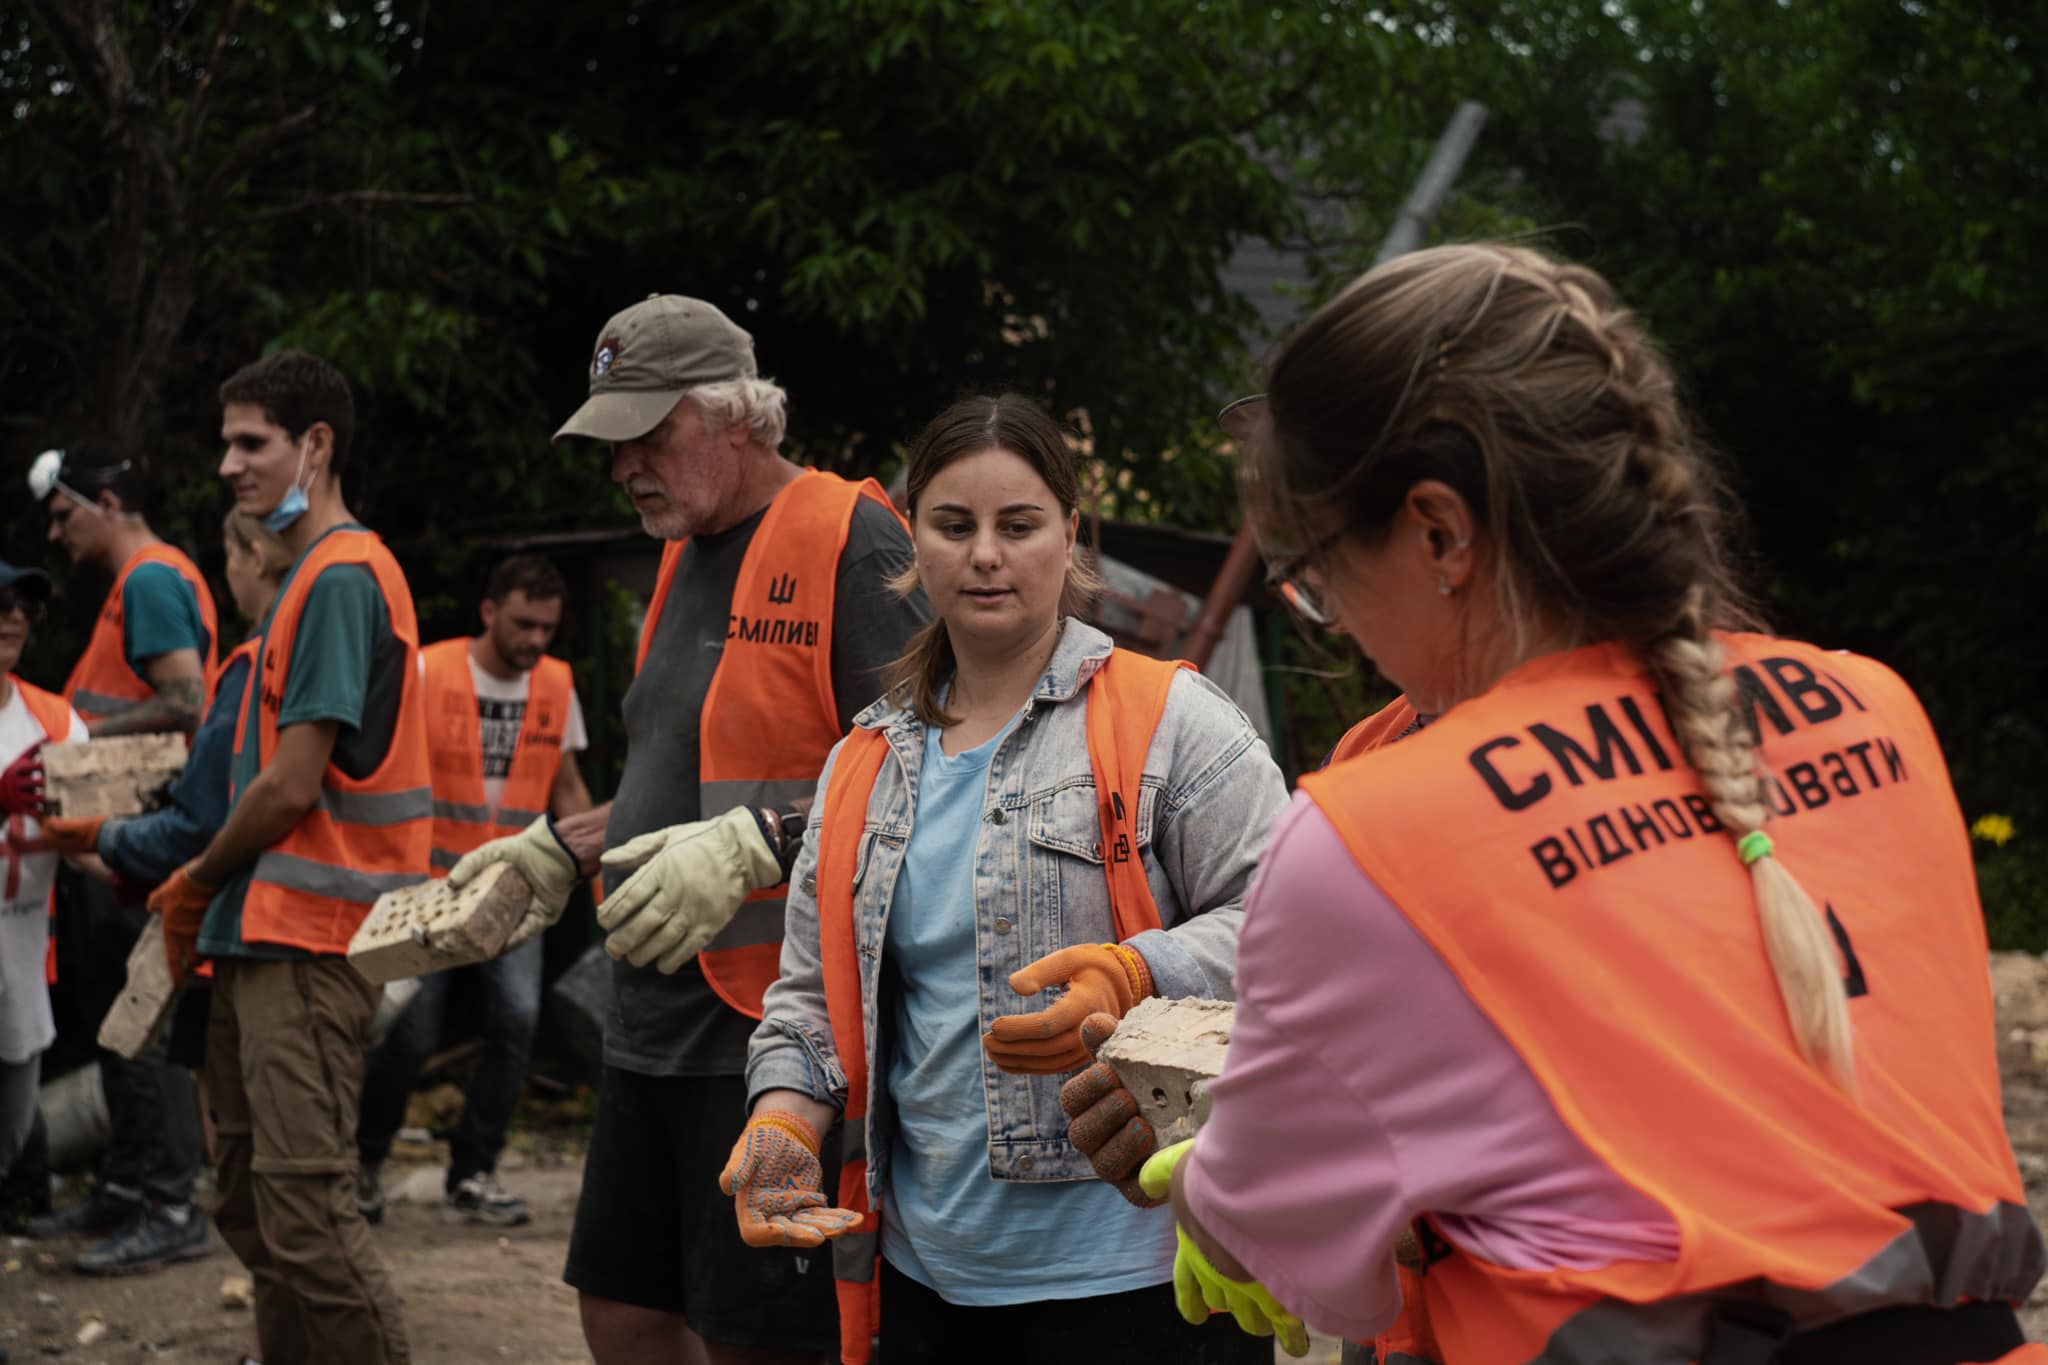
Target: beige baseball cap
(648, 357)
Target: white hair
(760, 404)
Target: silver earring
(1443, 584)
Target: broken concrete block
(1166, 1052)
(148, 999)
(428, 927)
(118, 775)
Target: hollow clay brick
(1166, 1052)
(428, 928)
(118, 775)
(147, 999)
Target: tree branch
(194, 121)
(251, 153)
(321, 201)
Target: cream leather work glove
(546, 863)
(691, 881)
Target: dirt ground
(475, 1295)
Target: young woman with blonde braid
(1646, 981)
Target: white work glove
(546, 863)
(691, 882)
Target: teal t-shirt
(346, 666)
(159, 615)
(947, 1223)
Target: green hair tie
(1753, 845)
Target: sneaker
(481, 1199)
(104, 1209)
(157, 1237)
(370, 1191)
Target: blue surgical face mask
(293, 504)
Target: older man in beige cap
(770, 623)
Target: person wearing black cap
(770, 623)
(29, 718)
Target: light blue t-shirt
(946, 1222)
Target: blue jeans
(511, 1014)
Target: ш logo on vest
(782, 589)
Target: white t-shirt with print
(27, 868)
(501, 710)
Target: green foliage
(1830, 211)
(902, 199)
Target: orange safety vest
(1553, 846)
(1382, 727)
(53, 714)
(769, 718)
(312, 888)
(463, 819)
(245, 650)
(1126, 698)
(1409, 1341)
(101, 682)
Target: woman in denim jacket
(979, 875)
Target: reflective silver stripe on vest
(517, 819)
(757, 922)
(100, 704)
(377, 808)
(853, 1253)
(455, 810)
(716, 798)
(443, 859)
(1948, 1255)
(295, 873)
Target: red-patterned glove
(778, 1187)
(21, 785)
(181, 902)
(1103, 1120)
(1101, 978)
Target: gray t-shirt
(676, 1025)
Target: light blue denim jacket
(1208, 794)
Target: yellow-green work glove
(546, 863)
(1200, 1289)
(691, 881)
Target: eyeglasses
(1242, 417)
(1241, 421)
(1285, 578)
(12, 601)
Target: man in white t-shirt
(503, 728)
(29, 717)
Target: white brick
(428, 928)
(147, 999)
(119, 775)
(1166, 1052)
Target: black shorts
(1137, 1327)
(653, 1230)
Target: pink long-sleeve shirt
(1364, 1087)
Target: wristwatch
(784, 830)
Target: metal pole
(1438, 175)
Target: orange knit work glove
(1103, 1120)
(777, 1185)
(181, 901)
(1101, 978)
(72, 837)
